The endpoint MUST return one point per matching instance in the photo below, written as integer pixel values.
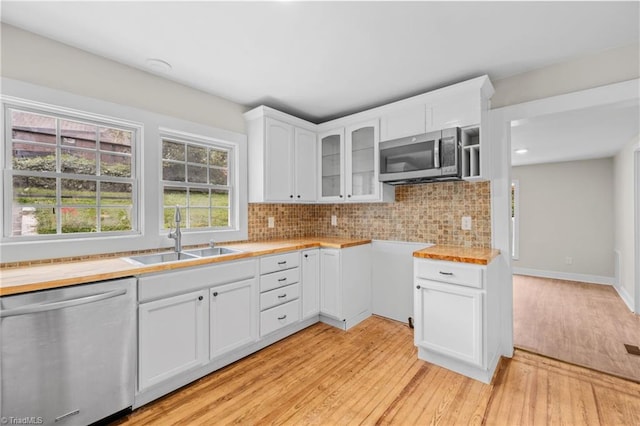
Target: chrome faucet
(177, 234)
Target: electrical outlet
(568, 260)
(271, 223)
(334, 220)
(466, 223)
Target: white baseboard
(569, 276)
(626, 298)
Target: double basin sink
(153, 259)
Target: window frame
(61, 113)
(233, 181)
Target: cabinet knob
(349, 196)
(291, 196)
(418, 287)
(298, 196)
(340, 195)
(306, 255)
(200, 298)
(215, 293)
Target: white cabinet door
(234, 316)
(278, 161)
(362, 163)
(330, 284)
(173, 337)
(449, 320)
(310, 283)
(331, 166)
(408, 121)
(305, 162)
(456, 111)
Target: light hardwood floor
(585, 324)
(371, 375)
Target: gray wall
(566, 210)
(42, 61)
(624, 195)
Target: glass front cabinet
(350, 165)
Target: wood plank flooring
(371, 375)
(585, 324)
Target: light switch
(271, 223)
(466, 223)
(334, 220)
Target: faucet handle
(177, 217)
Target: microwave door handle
(436, 153)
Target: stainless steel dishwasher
(68, 355)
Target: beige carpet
(585, 324)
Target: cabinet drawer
(279, 262)
(279, 279)
(279, 296)
(278, 317)
(450, 272)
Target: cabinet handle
(446, 273)
(340, 195)
(282, 296)
(418, 287)
(284, 262)
(282, 317)
(298, 196)
(349, 196)
(282, 279)
(291, 196)
(215, 293)
(306, 255)
(200, 297)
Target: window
(68, 175)
(197, 177)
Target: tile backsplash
(421, 213)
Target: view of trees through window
(196, 178)
(70, 176)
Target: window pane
(172, 151)
(115, 219)
(198, 197)
(114, 193)
(78, 192)
(115, 140)
(34, 157)
(79, 135)
(219, 198)
(175, 197)
(34, 221)
(76, 219)
(218, 176)
(115, 165)
(218, 158)
(34, 190)
(198, 217)
(219, 217)
(27, 126)
(196, 154)
(78, 162)
(173, 171)
(197, 174)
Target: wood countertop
(478, 256)
(49, 276)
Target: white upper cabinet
(405, 121)
(331, 165)
(282, 157)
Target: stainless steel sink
(152, 259)
(212, 251)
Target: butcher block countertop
(478, 256)
(49, 276)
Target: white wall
(566, 210)
(34, 59)
(585, 72)
(624, 243)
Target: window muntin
(68, 175)
(197, 177)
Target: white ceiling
(321, 60)
(575, 135)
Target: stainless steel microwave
(433, 156)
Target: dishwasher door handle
(43, 307)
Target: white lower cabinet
(233, 320)
(173, 336)
(310, 283)
(456, 321)
(345, 285)
(279, 291)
